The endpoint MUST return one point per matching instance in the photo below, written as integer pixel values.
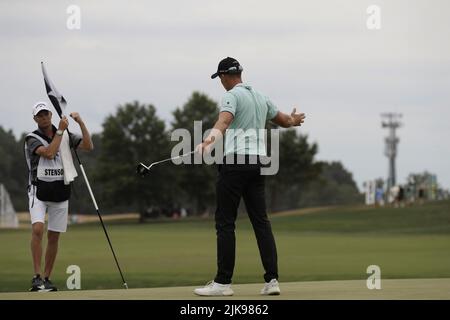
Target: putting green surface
(322, 290)
(315, 246)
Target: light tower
(391, 121)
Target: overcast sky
(316, 55)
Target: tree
(13, 168)
(196, 182)
(334, 186)
(297, 169)
(135, 134)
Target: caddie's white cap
(39, 106)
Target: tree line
(136, 134)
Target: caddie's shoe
(49, 286)
(37, 284)
(214, 289)
(271, 288)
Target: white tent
(8, 217)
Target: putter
(142, 169)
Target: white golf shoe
(271, 288)
(214, 289)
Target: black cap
(228, 66)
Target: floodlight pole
(391, 121)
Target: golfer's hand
(204, 147)
(63, 123)
(298, 118)
(76, 116)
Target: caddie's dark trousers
(233, 182)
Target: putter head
(141, 169)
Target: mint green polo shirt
(251, 110)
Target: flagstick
(56, 99)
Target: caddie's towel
(70, 173)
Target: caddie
(51, 170)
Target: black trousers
(235, 181)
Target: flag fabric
(60, 103)
(55, 97)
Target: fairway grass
(325, 245)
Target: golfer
(47, 190)
(243, 108)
